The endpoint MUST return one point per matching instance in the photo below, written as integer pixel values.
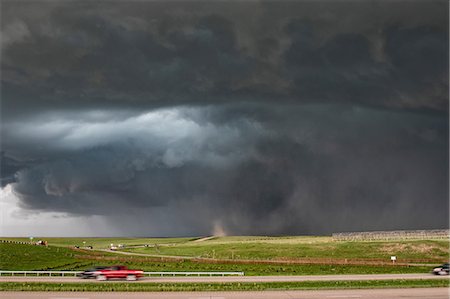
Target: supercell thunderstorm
(165, 122)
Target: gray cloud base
(307, 169)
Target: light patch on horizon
(18, 222)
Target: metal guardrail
(194, 273)
(74, 273)
(39, 273)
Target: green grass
(30, 257)
(103, 243)
(270, 248)
(426, 250)
(237, 253)
(244, 286)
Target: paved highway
(425, 293)
(233, 278)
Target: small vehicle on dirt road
(118, 272)
(441, 270)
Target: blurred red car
(118, 272)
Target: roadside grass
(244, 286)
(31, 257)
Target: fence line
(393, 235)
(18, 242)
(74, 273)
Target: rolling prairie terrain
(254, 255)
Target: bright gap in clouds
(18, 222)
(92, 128)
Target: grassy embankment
(172, 287)
(252, 255)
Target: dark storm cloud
(344, 68)
(266, 170)
(153, 54)
(257, 117)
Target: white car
(441, 270)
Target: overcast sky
(175, 118)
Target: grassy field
(186, 287)
(252, 255)
(418, 250)
(269, 248)
(104, 243)
(30, 257)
